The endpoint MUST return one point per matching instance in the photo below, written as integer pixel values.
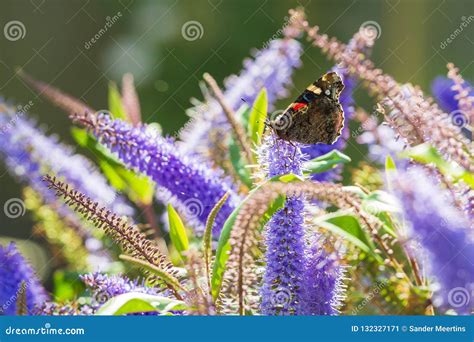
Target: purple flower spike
(442, 90)
(195, 187)
(448, 99)
(283, 278)
(297, 281)
(13, 271)
(29, 154)
(444, 233)
(324, 289)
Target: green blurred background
(147, 41)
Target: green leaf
(235, 153)
(139, 187)
(355, 190)
(116, 107)
(84, 139)
(222, 251)
(67, 285)
(133, 302)
(111, 173)
(257, 117)
(380, 204)
(390, 164)
(325, 162)
(379, 201)
(81, 136)
(288, 178)
(348, 227)
(238, 163)
(178, 235)
(167, 277)
(390, 169)
(223, 246)
(427, 154)
(207, 238)
(388, 223)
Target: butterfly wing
(316, 116)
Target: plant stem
(231, 117)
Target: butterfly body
(316, 116)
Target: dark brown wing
(316, 116)
(326, 119)
(320, 122)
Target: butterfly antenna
(267, 121)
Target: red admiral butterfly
(316, 116)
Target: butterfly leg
(295, 147)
